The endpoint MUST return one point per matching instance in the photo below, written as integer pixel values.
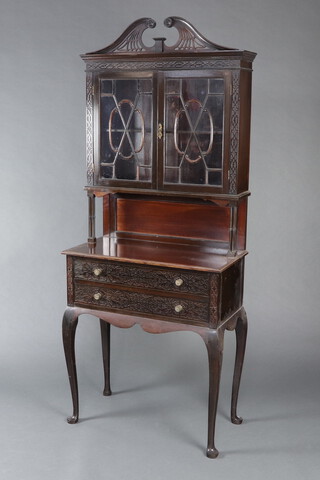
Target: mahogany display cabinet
(168, 132)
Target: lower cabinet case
(160, 299)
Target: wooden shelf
(191, 257)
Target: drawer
(142, 276)
(186, 310)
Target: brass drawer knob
(178, 308)
(97, 271)
(178, 282)
(97, 296)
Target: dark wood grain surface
(192, 257)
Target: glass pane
(194, 118)
(216, 85)
(145, 85)
(214, 158)
(145, 174)
(172, 175)
(215, 106)
(106, 86)
(193, 173)
(126, 129)
(172, 159)
(125, 89)
(173, 105)
(125, 168)
(107, 172)
(215, 178)
(194, 88)
(172, 85)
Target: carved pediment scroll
(130, 40)
(189, 39)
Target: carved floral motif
(143, 276)
(142, 303)
(70, 291)
(214, 296)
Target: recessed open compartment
(218, 224)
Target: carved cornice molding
(164, 64)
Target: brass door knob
(178, 282)
(97, 271)
(178, 308)
(97, 296)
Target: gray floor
(154, 425)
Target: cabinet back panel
(241, 225)
(208, 222)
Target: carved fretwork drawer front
(188, 296)
(133, 302)
(142, 276)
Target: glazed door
(124, 145)
(196, 119)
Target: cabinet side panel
(232, 289)
(208, 222)
(244, 131)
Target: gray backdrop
(154, 427)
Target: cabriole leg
(105, 341)
(241, 338)
(69, 325)
(214, 344)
